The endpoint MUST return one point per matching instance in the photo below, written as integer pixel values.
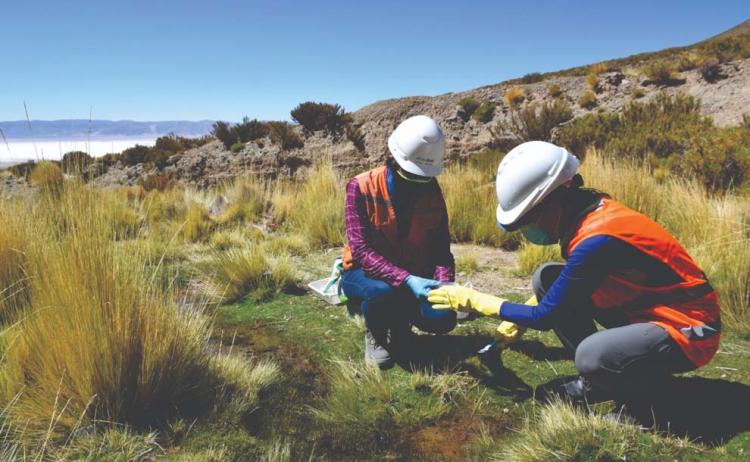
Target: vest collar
(573, 226)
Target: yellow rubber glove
(460, 298)
(510, 332)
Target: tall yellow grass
(97, 340)
(470, 197)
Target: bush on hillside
(250, 130)
(599, 68)
(135, 155)
(534, 122)
(485, 111)
(224, 133)
(22, 170)
(727, 48)
(283, 135)
(669, 132)
(711, 71)
(514, 96)
(587, 100)
(75, 161)
(313, 117)
(637, 93)
(554, 91)
(468, 105)
(532, 77)
(662, 73)
(174, 144)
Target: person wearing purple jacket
(398, 242)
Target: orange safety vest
(688, 311)
(413, 251)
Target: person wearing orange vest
(398, 243)
(622, 270)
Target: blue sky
(159, 60)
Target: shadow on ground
(709, 411)
(449, 354)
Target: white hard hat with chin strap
(418, 145)
(527, 175)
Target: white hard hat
(418, 145)
(528, 174)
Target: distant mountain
(73, 129)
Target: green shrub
(174, 144)
(75, 161)
(745, 121)
(283, 135)
(587, 100)
(135, 155)
(315, 117)
(661, 72)
(250, 130)
(727, 48)
(671, 133)
(711, 71)
(554, 91)
(237, 147)
(485, 111)
(637, 93)
(532, 77)
(534, 122)
(468, 105)
(224, 133)
(22, 170)
(157, 157)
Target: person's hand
(420, 287)
(508, 332)
(460, 298)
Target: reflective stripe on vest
(411, 252)
(688, 311)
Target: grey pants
(624, 358)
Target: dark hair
(390, 162)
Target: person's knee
(376, 290)
(590, 357)
(544, 277)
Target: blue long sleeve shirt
(585, 269)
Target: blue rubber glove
(420, 287)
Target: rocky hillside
(725, 100)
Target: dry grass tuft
(563, 432)
(514, 96)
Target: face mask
(537, 235)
